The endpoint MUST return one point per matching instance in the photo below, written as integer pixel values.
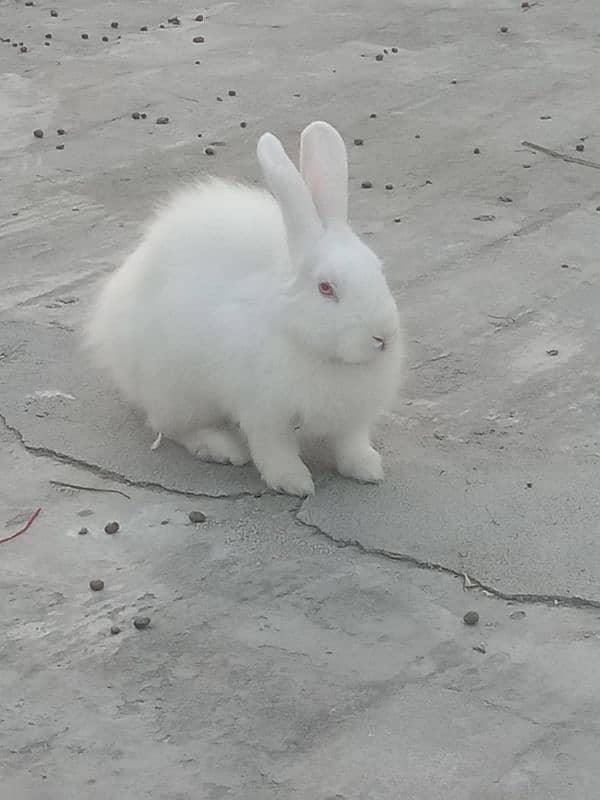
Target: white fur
(215, 327)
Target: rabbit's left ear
(324, 167)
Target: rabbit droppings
(246, 321)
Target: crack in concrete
(546, 599)
(103, 472)
(380, 552)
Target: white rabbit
(244, 322)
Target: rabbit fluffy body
(247, 321)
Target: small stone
(60, 131)
(115, 630)
(162, 120)
(143, 115)
(105, 38)
(83, 531)
(471, 618)
(47, 36)
(580, 148)
(529, 484)
(232, 93)
(476, 151)
(164, 522)
(453, 81)
(526, 166)
(144, 28)
(525, 4)
(504, 29)
(196, 517)
(28, 2)
(243, 124)
(394, 49)
(85, 36)
(518, 615)
(209, 151)
(46, 44)
(161, 25)
(372, 116)
(23, 49)
(417, 135)
(379, 57)
(485, 218)
(199, 18)
(359, 142)
(504, 198)
(174, 21)
(135, 115)
(111, 527)
(60, 147)
(114, 24)
(389, 186)
(564, 266)
(219, 99)
(397, 219)
(366, 185)
(196, 62)
(385, 50)
(38, 133)
(198, 39)
(53, 12)
(96, 585)
(552, 351)
(14, 44)
(480, 648)
(141, 623)
(546, 116)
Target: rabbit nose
(380, 342)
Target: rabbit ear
(285, 182)
(324, 167)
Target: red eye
(326, 289)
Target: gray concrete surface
(309, 650)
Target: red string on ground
(26, 527)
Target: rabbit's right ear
(285, 182)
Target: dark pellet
(83, 531)
(60, 147)
(47, 36)
(196, 517)
(105, 38)
(162, 120)
(232, 93)
(243, 124)
(366, 185)
(389, 186)
(476, 150)
(85, 36)
(394, 49)
(38, 133)
(135, 115)
(359, 142)
(114, 24)
(471, 618)
(580, 148)
(115, 630)
(53, 13)
(200, 18)
(198, 39)
(60, 131)
(96, 585)
(141, 623)
(111, 527)
(144, 28)
(209, 151)
(504, 29)
(379, 57)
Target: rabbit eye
(326, 289)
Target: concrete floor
(309, 650)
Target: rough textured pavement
(309, 650)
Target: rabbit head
(339, 302)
